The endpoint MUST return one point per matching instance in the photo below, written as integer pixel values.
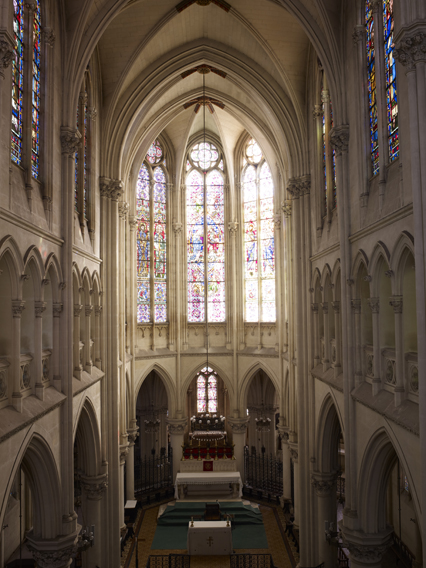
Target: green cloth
(248, 530)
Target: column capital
(366, 548)
(123, 209)
(336, 307)
(233, 228)
(323, 483)
(77, 310)
(410, 46)
(314, 307)
(374, 304)
(396, 303)
(98, 310)
(133, 222)
(111, 188)
(176, 425)
(124, 450)
(294, 451)
(18, 306)
(238, 425)
(70, 140)
(324, 306)
(283, 432)
(88, 310)
(177, 227)
(39, 308)
(6, 51)
(298, 186)
(358, 34)
(94, 486)
(57, 309)
(49, 36)
(55, 553)
(317, 111)
(339, 138)
(133, 433)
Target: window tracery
(207, 390)
(259, 244)
(151, 237)
(205, 212)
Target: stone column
(88, 363)
(18, 307)
(239, 431)
(366, 550)
(55, 553)
(130, 464)
(317, 347)
(97, 341)
(337, 359)
(76, 342)
(325, 98)
(93, 489)
(396, 303)
(326, 360)
(177, 429)
(39, 308)
(294, 453)
(283, 430)
(325, 489)
(374, 304)
(124, 451)
(57, 310)
(356, 311)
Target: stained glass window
(205, 228)
(35, 126)
(259, 245)
(17, 81)
(372, 102)
(85, 135)
(207, 390)
(151, 240)
(155, 153)
(390, 74)
(82, 156)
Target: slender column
(57, 310)
(130, 465)
(325, 489)
(356, 311)
(39, 308)
(239, 431)
(374, 304)
(396, 303)
(48, 37)
(94, 488)
(97, 340)
(338, 339)
(176, 429)
(326, 360)
(18, 307)
(124, 452)
(296, 480)
(286, 456)
(88, 363)
(317, 350)
(76, 341)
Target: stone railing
(389, 367)
(4, 379)
(25, 364)
(45, 365)
(369, 361)
(412, 373)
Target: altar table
(209, 538)
(208, 482)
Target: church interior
(212, 283)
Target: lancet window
(151, 237)
(17, 81)
(36, 76)
(328, 153)
(207, 390)
(205, 218)
(259, 243)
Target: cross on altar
(209, 538)
(210, 541)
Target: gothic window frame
(151, 167)
(206, 372)
(31, 162)
(385, 131)
(246, 162)
(191, 166)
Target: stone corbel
(70, 141)
(177, 425)
(323, 483)
(94, 486)
(7, 50)
(339, 138)
(238, 425)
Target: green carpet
(172, 527)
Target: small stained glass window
(390, 74)
(17, 81)
(35, 126)
(371, 77)
(207, 390)
(155, 153)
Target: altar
(212, 483)
(209, 538)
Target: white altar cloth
(209, 478)
(209, 538)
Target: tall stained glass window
(390, 80)
(259, 245)
(82, 155)
(207, 390)
(371, 75)
(35, 126)
(205, 217)
(17, 81)
(151, 238)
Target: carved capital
(48, 36)
(124, 450)
(18, 306)
(238, 425)
(314, 307)
(177, 426)
(57, 309)
(132, 435)
(88, 310)
(104, 186)
(6, 51)
(323, 483)
(177, 227)
(294, 453)
(396, 303)
(411, 49)
(39, 308)
(358, 34)
(356, 305)
(55, 553)
(94, 486)
(92, 113)
(77, 310)
(325, 96)
(116, 189)
(324, 306)
(299, 186)
(70, 141)
(286, 207)
(339, 138)
(133, 222)
(123, 209)
(374, 304)
(336, 307)
(233, 227)
(366, 554)
(317, 111)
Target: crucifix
(210, 540)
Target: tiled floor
(283, 552)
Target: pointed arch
(378, 259)
(10, 251)
(247, 378)
(222, 374)
(86, 432)
(329, 425)
(167, 381)
(402, 248)
(53, 268)
(360, 262)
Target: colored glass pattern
(390, 74)
(371, 76)
(17, 81)
(205, 232)
(35, 125)
(76, 165)
(155, 153)
(160, 245)
(207, 390)
(85, 156)
(259, 245)
(143, 248)
(254, 153)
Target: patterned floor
(283, 551)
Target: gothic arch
(86, 431)
(378, 260)
(403, 247)
(329, 425)
(219, 371)
(360, 262)
(10, 251)
(33, 263)
(380, 455)
(246, 381)
(167, 381)
(53, 268)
